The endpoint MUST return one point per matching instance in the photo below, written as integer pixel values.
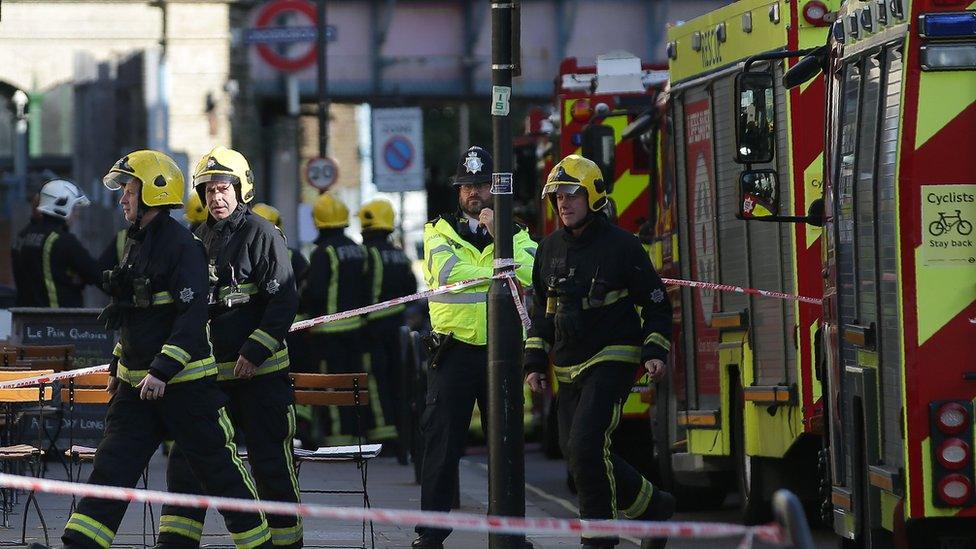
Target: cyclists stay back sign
(948, 215)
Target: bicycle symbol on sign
(945, 223)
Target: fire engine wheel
(749, 469)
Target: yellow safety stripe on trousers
(537, 343)
(246, 288)
(289, 450)
(287, 536)
(374, 394)
(344, 325)
(181, 526)
(389, 311)
(658, 340)
(611, 298)
(192, 371)
(225, 425)
(641, 501)
(629, 354)
(176, 353)
(264, 338)
(91, 529)
(275, 362)
(253, 537)
(614, 421)
(52, 290)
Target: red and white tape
(741, 290)
(50, 378)
(460, 521)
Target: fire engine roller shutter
(891, 366)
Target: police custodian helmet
(474, 167)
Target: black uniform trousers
(191, 413)
(589, 410)
(454, 384)
(261, 409)
(385, 364)
(339, 353)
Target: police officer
(390, 277)
(459, 246)
(336, 282)
(51, 266)
(163, 374)
(589, 279)
(253, 303)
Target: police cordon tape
(741, 290)
(771, 533)
(508, 275)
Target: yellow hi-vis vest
(449, 259)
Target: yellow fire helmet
(573, 173)
(162, 180)
(377, 214)
(268, 212)
(196, 211)
(330, 213)
(223, 164)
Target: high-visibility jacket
(449, 258)
(51, 267)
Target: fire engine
(899, 268)
(743, 407)
(611, 113)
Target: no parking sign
(398, 149)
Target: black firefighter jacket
(167, 336)
(51, 267)
(337, 281)
(253, 295)
(607, 274)
(390, 275)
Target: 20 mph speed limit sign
(321, 173)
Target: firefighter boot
(660, 508)
(425, 542)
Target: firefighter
(51, 267)
(253, 302)
(459, 246)
(298, 353)
(589, 279)
(194, 213)
(163, 374)
(336, 282)
(195, 210)
(390, 277)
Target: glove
(569, 318)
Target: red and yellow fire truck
(611, 113)
(744, 403)
(899, 269)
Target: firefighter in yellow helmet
(590, 281)
(195, 211)
(459, 246)
(336, 282)
(253, 302)
(163, 376)
(390, 276)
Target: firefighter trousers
(454, 384)
(385, 364)
(190, 413)
(261, 410)
(339, 353)
(589, 410)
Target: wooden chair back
(331, 389)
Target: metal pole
(322, 79)
(21, 156)
(506, 460)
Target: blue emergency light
(948, 25)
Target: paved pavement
(391, 486)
